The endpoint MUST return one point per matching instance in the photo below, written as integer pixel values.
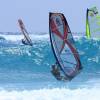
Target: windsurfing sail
(27, 40)
(92, 23)
(62, 45)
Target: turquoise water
(25, 71)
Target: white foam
(19, 37)
(52, 94)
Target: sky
(35, 13)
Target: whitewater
(25, 71)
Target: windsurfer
(24, 41)
(56, 72)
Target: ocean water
(25, 71)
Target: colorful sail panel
(27, 39)
(92, 23)
(62, 45)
